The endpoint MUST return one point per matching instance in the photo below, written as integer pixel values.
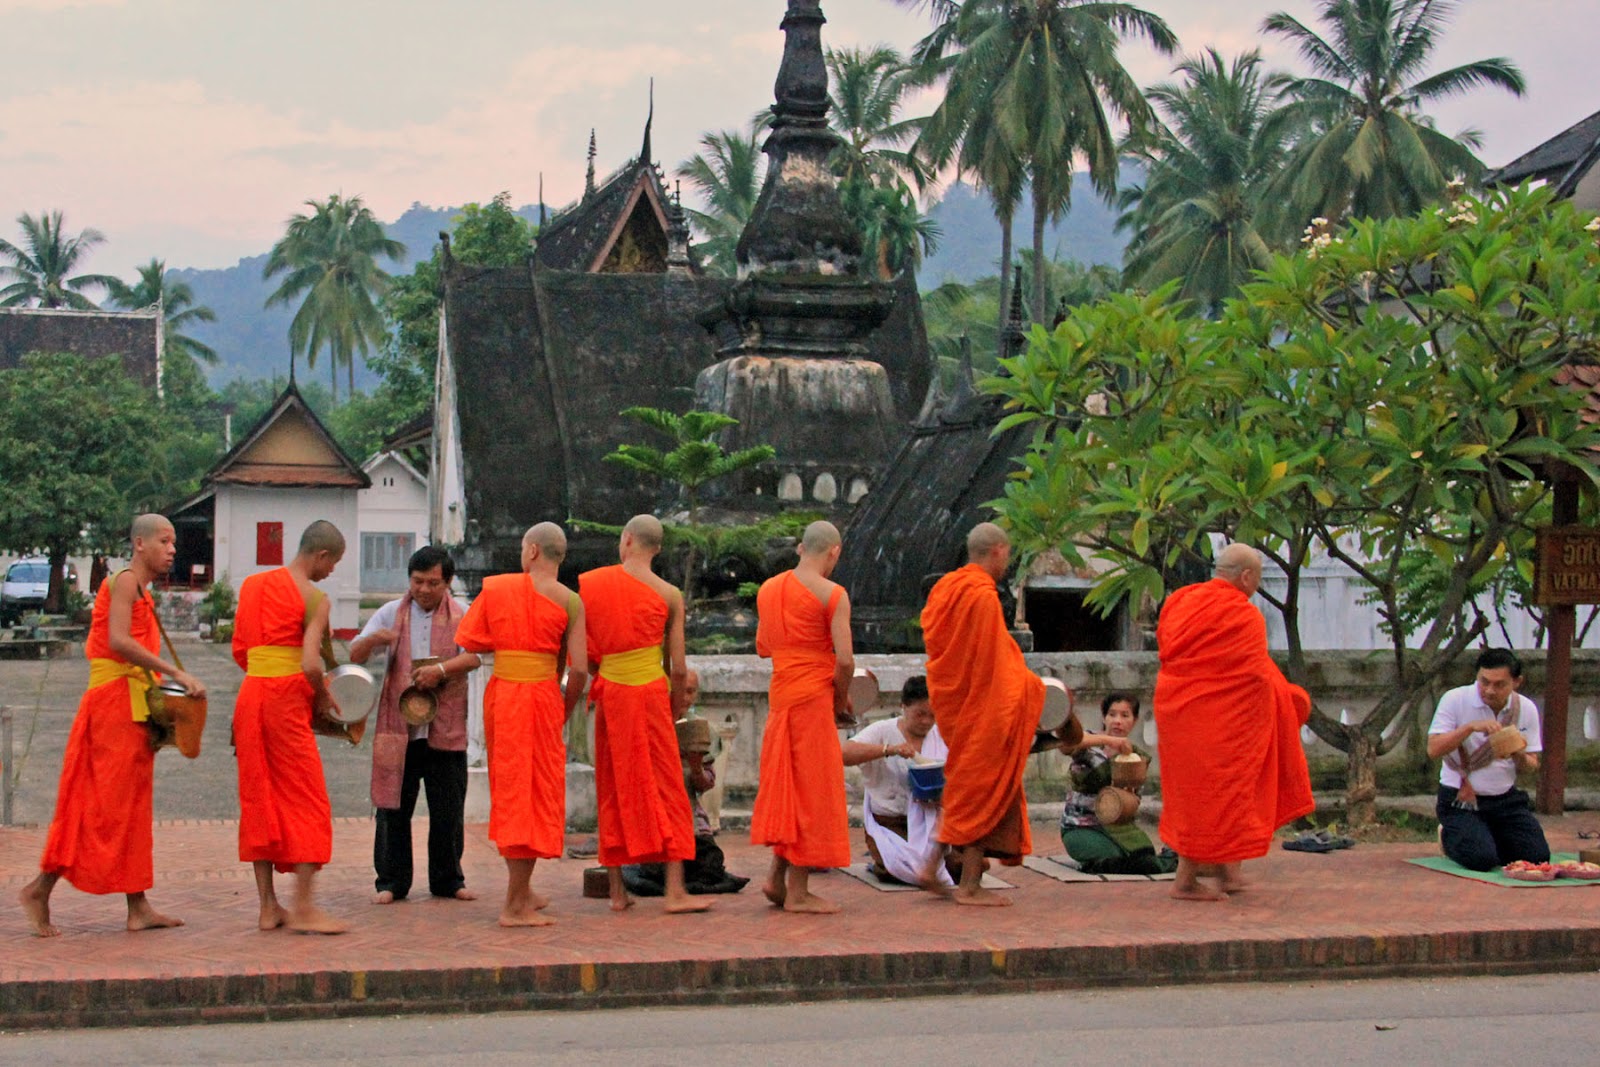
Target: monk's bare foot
(526, 916)
(1197, 891)
(686, 905)
(383, 896)
(537, 901)
(982, 898)
(315, 921)
(621, 901)
(36, 906)
(466, 894)
(141, 916)
(1233, 885)
(929, 880)
(273, 916)
(775, 890)
(810, 904)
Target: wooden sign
(1567, 566)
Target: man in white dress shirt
(433, 756)
(1485, 821)
(899, 830)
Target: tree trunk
(1005, 284)
(1040, 216)
(350, 380)
(333, 375)
(1361, 782)
(55, 598)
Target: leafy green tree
(727, 174)
(482, 235)
(329, 260)
(693, 461)
(40, 271)
(1194, 219)
(76, 435)
(178, 309)
(1046, 74)
(1324, 414)
(1366, 148)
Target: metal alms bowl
(354, 692)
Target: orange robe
(522, 721)
(100, 839)
(800, 806)
(988, 704)
(1228, 726)
(645, 815)
(284, 815)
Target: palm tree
(1046, 74)
(39, 268)
(694, 460)
(178, 309)
(894, 231)
(866, 90)
(1366, 148)
(330, 258)
(1195, 216)
(727, 173)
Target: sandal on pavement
(1311, 842)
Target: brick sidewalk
(1362, 912)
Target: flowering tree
(1390, 390)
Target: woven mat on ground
(1494, 877)
(861, 873)
(1063, 869)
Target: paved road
(1459, 1023)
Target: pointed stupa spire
(543, 217)
(645, 151)
(588, 181)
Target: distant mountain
(253, 340)
(970, 246)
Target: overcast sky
(191, 129)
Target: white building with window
(393, 518)
(284, 473)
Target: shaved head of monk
(154, 541)
(821, 546)
(547, 542)
(989, 547)
(1240, 566)
(322, 546)
(643, 532)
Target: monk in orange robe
(529, 621)
(804, 628)
(1228, 723)
(634, 621)
(100, 839)
(285, 821)
(988, 704)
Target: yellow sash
(519, 666)
(639, 666)
(273, 661)
(104, 671)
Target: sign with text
(1567, 566)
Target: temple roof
(1563, 160)
(133, 335)
(288, 448)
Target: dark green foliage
(76, 439)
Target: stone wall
(736, 687)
